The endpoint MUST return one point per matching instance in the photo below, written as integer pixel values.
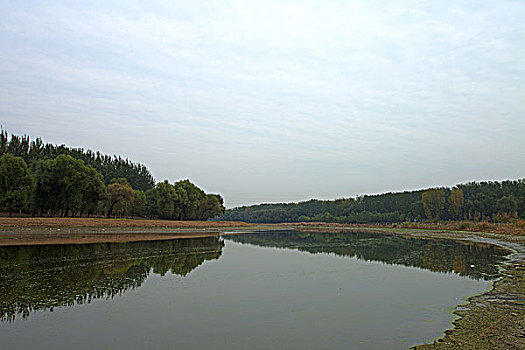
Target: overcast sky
(271, 101)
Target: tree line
(111, 167)
(490, 200)
(48, 180)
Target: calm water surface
(269, 290)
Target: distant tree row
(65, 186)
(493, 201)
(111, 167)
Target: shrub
(464, 226)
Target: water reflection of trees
(478, 261)
(44, 277)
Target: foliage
(119, 192)
(60, 181)
(65, 185)
(16, 183)
(138, 206)
(182, 201)
(456, 203)
(110, 167)
(433, 203)
(494, 201)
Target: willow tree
(119, 191)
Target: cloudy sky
(271, 101)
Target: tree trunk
(110, 210)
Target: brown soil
(32, 231)
(107, 223)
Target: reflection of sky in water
(251, 297)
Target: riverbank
(38, 231)
(516, 228)
(492, 320)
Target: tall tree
(16, 183)
(46, 195)
(138, 207)
(166, 196)
(93, 190)
(71, 179)
(456, 203)
(433, 202)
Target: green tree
(138, 207)
(507, 205)
(16, 183)
(46, 196)
(433, 202)
(189, 199)
(71, 176)
(151, 202)
(166, 199)
(209, 207)
(65, 185)
(119, 191)
(93, 190)
(456, 203)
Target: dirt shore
(112, 223)
(37, 231)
